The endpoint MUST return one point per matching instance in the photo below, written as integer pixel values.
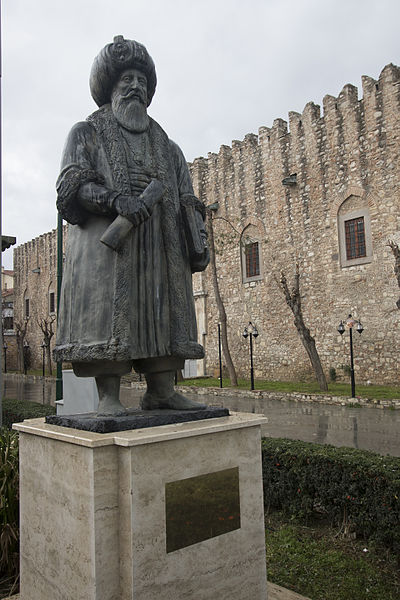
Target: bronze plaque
(200, 508)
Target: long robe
(138, 302)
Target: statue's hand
(149, 201)
(199, 263)
(139, 209)
(140, 178)
(131, 208)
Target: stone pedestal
(172, 512)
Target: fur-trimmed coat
(138, 302)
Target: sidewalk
(240, 393)
(275, 592)
(328, 399)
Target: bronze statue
(136, 234)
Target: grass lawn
(317, 562)
(384, 392)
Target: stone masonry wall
(35, 266)
(345, 159)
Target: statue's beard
(130, 112)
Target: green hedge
(15, 411)
(356, 489)
(9, 505)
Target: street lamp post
(5, 356)
(251, 331)
(43, 346)
(219, 355)
(350, 322)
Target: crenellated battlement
(341, 109)
(332, 148)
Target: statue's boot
(107, 374)
(108, 388)
(161, 394)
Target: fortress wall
(345, 158)
(37, 254)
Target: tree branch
(396, 253)
(293, 300)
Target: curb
(393, 404)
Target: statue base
(134, 419)
(173, 512)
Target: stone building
(323, 192)
(35, 296)
(9, 361)
(7, 280)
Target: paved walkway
(275, 592)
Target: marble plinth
(98, 512)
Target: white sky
(224, 68)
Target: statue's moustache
(133, 94)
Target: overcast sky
(224, 67)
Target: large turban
(112, 61)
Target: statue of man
(136, 234)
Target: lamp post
(5, 356)
(59, 379)
(43, 347)
(25, 355)
(251, 331)
(350, 323)
(219, 355)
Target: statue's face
(132, 84)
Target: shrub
(353, 488)
(15, 411)
(332, 374)
(9, 505)
(346, 369)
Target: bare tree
(46, 325)
(396, 253)
(220, 304)
(293, 300)
(20, 328)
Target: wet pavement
(367, 428)
(40, 391)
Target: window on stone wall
(252, 256)
(8, 323)
(52, 303)
(27, 308)
(355, 238)
(354, 229)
